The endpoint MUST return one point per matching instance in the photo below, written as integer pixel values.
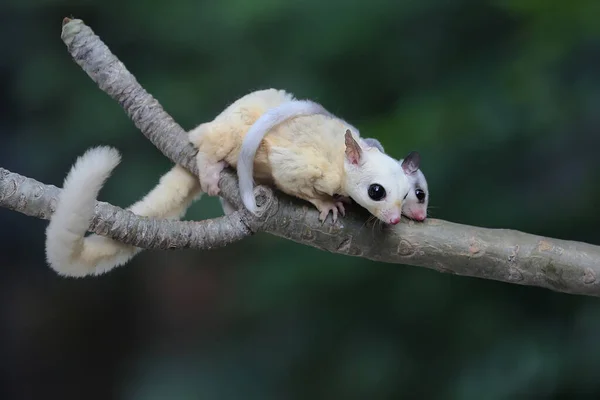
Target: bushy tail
(68, 252)
(75, 209)
(255, 135)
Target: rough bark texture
(35, 199)
(498, 254)
(96, 59)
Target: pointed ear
(374, 143)
(411, 163)
(353, 150)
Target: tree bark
(35, 199)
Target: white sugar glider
(315, 157)
(306, 156)
(415, 204)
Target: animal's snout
(394, 220)
(419, 215)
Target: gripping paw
(209, 176)
(210, 185)
(325, 207)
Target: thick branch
(95, 58)
(499, 254)
(35, 199)
(109, 73)
(502, 255)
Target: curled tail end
(248, 198)
(246, 181)
(75, 210)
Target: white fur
(68, 252)
(295, 108)
(377, 167)
(256, 133)
(371, 142)
(412, 207)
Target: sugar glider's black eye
(420, 194)
(376, 192)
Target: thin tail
(255, 135)
(68, 252)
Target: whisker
(429, 213)
(366, 222)
(377, 225)
(373, 227)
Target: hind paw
(209, 176)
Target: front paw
(326, 207)
(343, 199)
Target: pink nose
(419, 216)
(394, 220)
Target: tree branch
(35, 199)
(498, 254)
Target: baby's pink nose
(419, 215)
(394, 220)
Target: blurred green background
(502, 99)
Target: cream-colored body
(303, 157)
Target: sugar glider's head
(415, 205)
(376, 181)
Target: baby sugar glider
(414, 205)
(417, 201)
(315, 157)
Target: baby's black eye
(420, 194)
(376, 192)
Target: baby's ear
(374, 143)
(411, 163)
(353, 150)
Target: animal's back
(309, 154)
(222, 137)
(305, 147)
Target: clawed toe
(209, 177)
(334, 208)
(340, 206)
(323, 215)
(210, 188)
(344, 199)
(213, 191)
